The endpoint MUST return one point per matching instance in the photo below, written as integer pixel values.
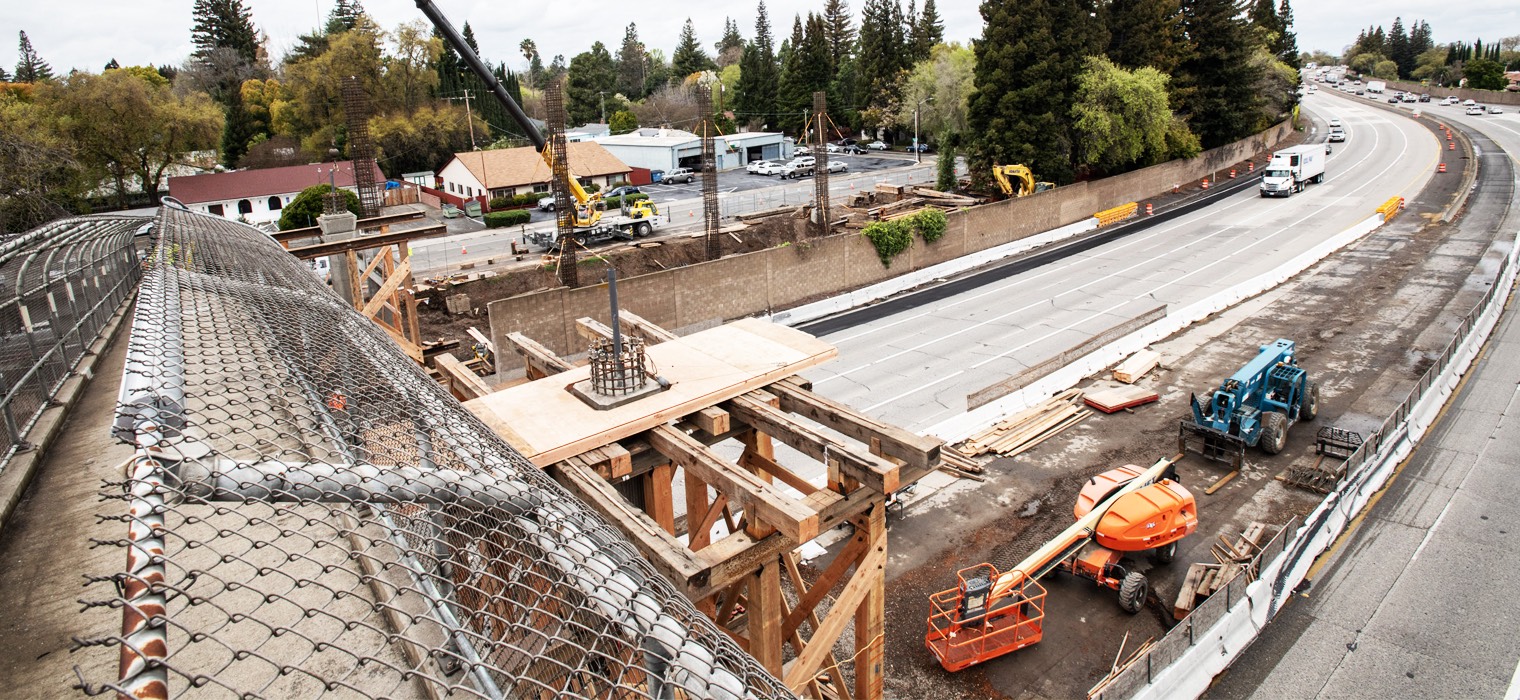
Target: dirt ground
(1365, 320)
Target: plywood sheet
(1119, 398)
(546, 423)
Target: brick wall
(770, 280)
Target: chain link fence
(308, 514)
(59, 285)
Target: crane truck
(587, 221)
(1129, 509)
(1018, 181)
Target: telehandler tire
(1308, 404)
(1274, 432)
(1132, 592)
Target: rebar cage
(615, 373)
(309, 515)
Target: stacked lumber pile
(953, 462)
(1230, 560)
(1023, 431)
(947, 200)
(1135, 367)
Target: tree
(944, 82)
(1026, 67)
(1386, 70)
(1399, 49)
(346, 13)
(311, 104)
(689, 58)
(622, 122)
(929, 30)
(1121, 118)
(806, 71)
(731, 46)
(883, 55)
(631, 65)
(836, 14)
(224, 24)
(311, 203)
(591, 79)
(535, 64)
(423, 139)
(1147, 33)
(944, 175)
(410, 74)
(1484, 74)
(41, 178)
(755, 94)
(30, 68)
(1286, 47)
(128, 129)
(1216, 81)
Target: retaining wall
(764, 281)
(1486, 97)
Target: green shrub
(891, 238)
(310, 203)
(620, 183)
(511, 217)
(500, 203)
(617, 202)
(592, 188)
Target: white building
(587, 132)
(511, 171)
(258, 196)
(667, 149)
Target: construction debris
(1230, 560)
(1319, 477)
(1023, 431)
(1119, 667)
(953, 462)
(1119, 398)
(1138, 364)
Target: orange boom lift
(1123, 510)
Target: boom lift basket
(1211, 444)
(981, 619)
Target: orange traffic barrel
(1441, 168)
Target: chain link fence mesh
(59, 285)
(309, 515)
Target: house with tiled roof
(505, 172)
(258, 196)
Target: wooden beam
(662, 549)
(870, 616)
(805, 666)
(465, 383)
(591, 329)
(636, 324)
(366, 242)
(763, 616)
(871, 471)
(611, 461)
(712, 420)
(916, 450)
(659, 503)
(361, 225)
(808, 600)
(701, 537)
(536, 355)
(739, 555)
(392, 283)
(768, 465)
(758, 498)
(835, 675)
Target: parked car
(838, 166)
(627, 189)
(855, 149)
(759, 167)
(876, 146)
(922, 148)
(1475, 109)
(546, 204)
(797, 169)
(846, 142)
(684, 175)
(802, 150)
(833, 148)
(808, 161)
(1494, 109)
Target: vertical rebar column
(564, 202)
(821, 162)
(710, 212)
(360, 149)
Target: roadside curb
(18, 474)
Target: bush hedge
(891, 238)
(511, 217)
(522, 200)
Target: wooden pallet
(1231, 559)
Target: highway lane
(1417, 601)
(915, 367)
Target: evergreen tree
(535, 64)
(806, 71)
(240, 128)
(689, 57)
(1398, 47)
(1027, 64)
(790, 118)
(1419, 38)
(591, 79)
(882, 53)
(1287, 39)
(929, 31)
(5, 76)
(224, 24)
(1217, 82)
(758, 75)
(469, 38)
(556, 69)
(1263, 14)
(30, 68)
(841, 24)
(345, 16)
(1147, 33)
(449, 67)
(630, 64)
(112, 65)
(731, 46)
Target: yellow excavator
(1018, 181)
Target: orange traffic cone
(463, 251)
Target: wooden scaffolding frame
(741, 580)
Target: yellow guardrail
(1117, 214)
(1391, 207)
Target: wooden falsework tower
(748, 580)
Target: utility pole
(603, 95)
(470, 115)
(918, 156)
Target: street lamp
(603, 95)
(918, 156)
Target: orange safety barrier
(1451, 146)
(1117, 214)
(1251, 167)
(1392, 206)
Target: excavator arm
(1017, 180)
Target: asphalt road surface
(915, 367)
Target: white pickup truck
(1292, 168)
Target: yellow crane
(1017, 180)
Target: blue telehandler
(1255, 406)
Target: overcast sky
(155, 32)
